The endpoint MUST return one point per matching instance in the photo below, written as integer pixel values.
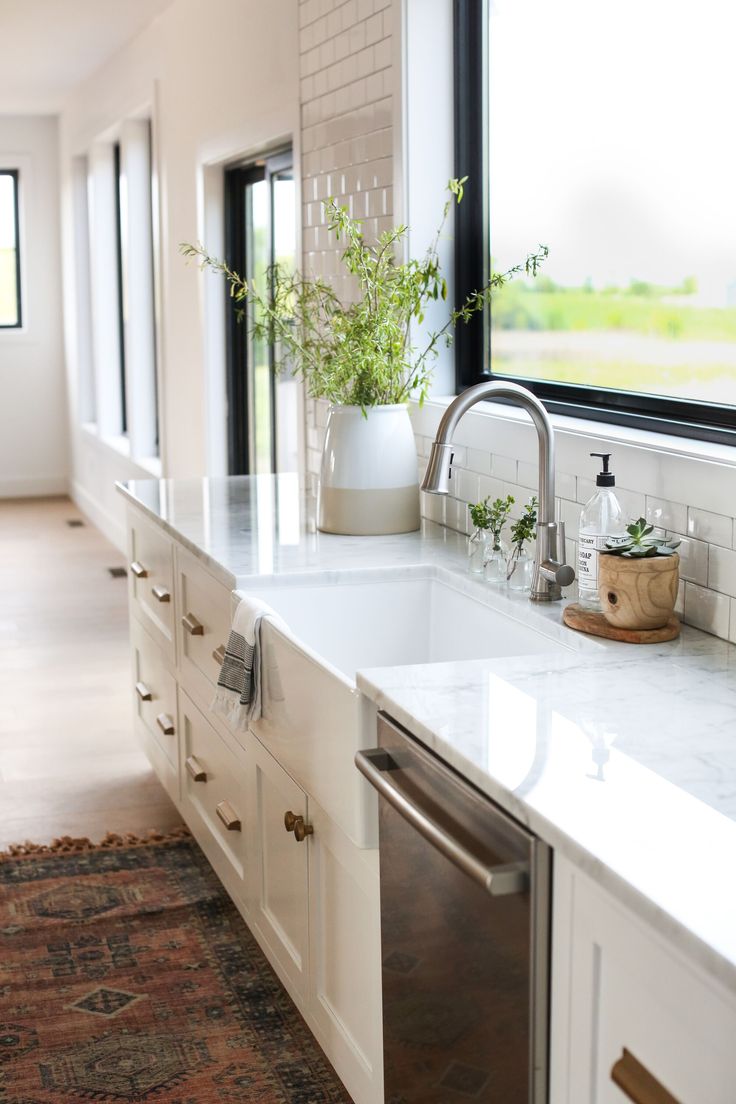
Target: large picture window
(607, 137)
(10, 304)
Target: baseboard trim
(109, 525)
(41, 486)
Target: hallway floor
(69, 761)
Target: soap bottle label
(589, 548)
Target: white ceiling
(48, 46)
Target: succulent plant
(641, 544)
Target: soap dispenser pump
(601, 523)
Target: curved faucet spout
(551, 570)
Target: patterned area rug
(126, 974)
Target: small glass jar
(520, 568)
(495, 566)
(478, 544)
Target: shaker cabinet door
(632, 1018)
(278, 881)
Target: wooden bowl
(638, 593)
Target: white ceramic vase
(368, 479)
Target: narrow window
(260, 231)
(10, 302)
(121, 215)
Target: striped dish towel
(239, 688)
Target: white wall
(220, 79)
(33, 422)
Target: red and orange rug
(126, 974)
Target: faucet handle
(562, 574)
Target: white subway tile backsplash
(722, 570)
(666, 515)
(528, 475)
(732, 623)
(504, 467)
(694, 560)
(479, 461)
(715, 528)
(707, 610)
(489, 487)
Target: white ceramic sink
(314, 718)
(387, 622)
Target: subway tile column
(346, 141)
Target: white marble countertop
(623, 757)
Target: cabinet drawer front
(203, 626)
(151, 575)
(154, 692)
(213, 784)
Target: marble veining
(623, 757)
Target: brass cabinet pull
(143, 692)
(161, 594)
(195, 768)
(165, 723)
(192, 625)
(219, 654)
(637, 1082)
(295, 824)
(138, 570)
(228, 816)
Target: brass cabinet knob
(161, 594)
(195, 768)
(143, 692)
(295, 824)
(192, 625)
(228, 816)
(302, 830)
(138, 570)
(166, 724)
(219, 654)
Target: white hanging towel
(239, 687)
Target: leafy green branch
(358, 354)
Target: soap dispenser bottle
(601, 523)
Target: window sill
(564, 425)
(120, 444)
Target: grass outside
(656, 341)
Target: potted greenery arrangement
(519, 566)
(638, 580)
(497, 554)
(361, 358)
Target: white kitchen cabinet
(345, 955)
(155, 706)
(310, 897)
(214, 784)
(623, 997)
(151, 580)
(203, 607)
(278, 882)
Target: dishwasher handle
(499, 881)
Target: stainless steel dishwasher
(465, 894)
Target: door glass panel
(286, 386)
(259, 382)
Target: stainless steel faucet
(550, 570)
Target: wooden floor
(69, 762)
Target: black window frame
(15, 174)
(237, 178)
(658, 413)
(122, 382)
